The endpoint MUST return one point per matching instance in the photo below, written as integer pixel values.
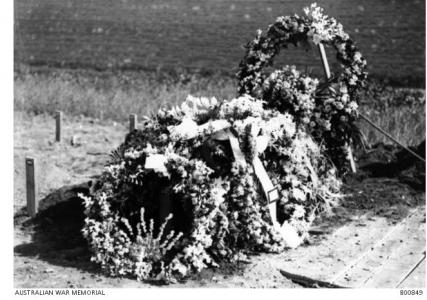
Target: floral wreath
(329, 118)
(220, 196)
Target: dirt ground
(372, 239)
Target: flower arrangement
(220, 212)
(328, 117)
(211, 165)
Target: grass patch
(405, 123)
(114, 95)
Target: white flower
(279, 124)
(343, 89)
(290, 235)
(357, 56)
(243, 105)
(344, 98)
(192, 107)
(339, 105)
(341, 47)
(132, 154)
(317, 39)
(299, 212)
(352, 105)
(327, 125)
(218, 191)
(304, 98)
(298, 194)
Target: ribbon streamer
(235, 147)
(156, 162)
(220, 130)
(270, 191)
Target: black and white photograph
(239, 144)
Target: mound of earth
(391, 161)
(56, 230)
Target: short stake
(58, 118)
(32, 204)
(132, 122)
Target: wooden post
(328, 75)
(32, 204)
(58, 125)
(132, 122)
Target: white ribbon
(289, 234)
(270, 192)
(156, 162)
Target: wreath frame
(338, 111)
(288, 30)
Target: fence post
(58, 125)
(132, 122)
(32, 204)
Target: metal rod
(412, 270)
(390, 137)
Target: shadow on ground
(56, 230)
(57, 238)
(389, 182)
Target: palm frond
(117, 155)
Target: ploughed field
(375, 236)
(203, 34)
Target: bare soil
(50, 252)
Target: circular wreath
(216, 201)
(330, 118)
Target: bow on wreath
(220, 130)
